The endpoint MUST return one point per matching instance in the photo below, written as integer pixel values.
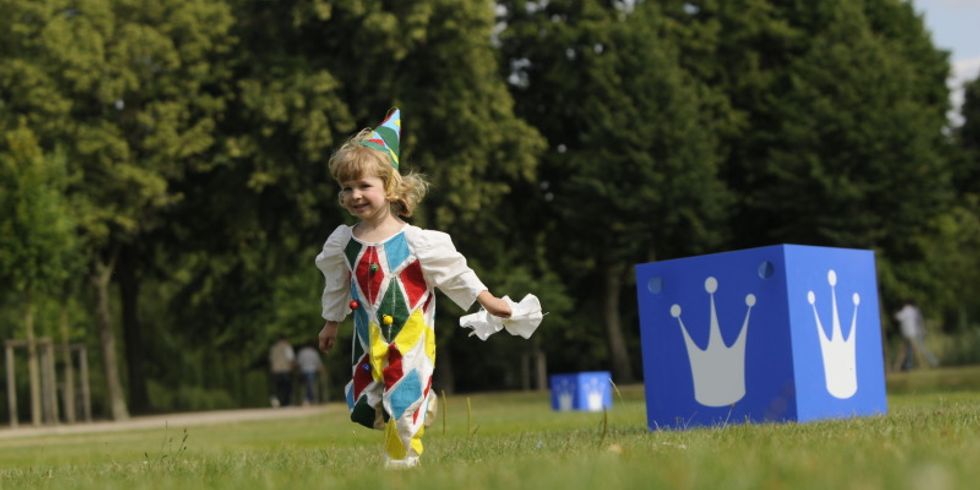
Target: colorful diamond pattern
(362, 376)
(410, 335)
(357, 351)
(405, 393)
(393, 304)
(370, 282)
(396, 250)
(363, 413)
(379, 350)
(422, 408)
(361, 333)
(393, 372)
(414, 283)
(351, 251)
(384, 369)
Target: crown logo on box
(565, 401)
(593, 394)
(718, 370)
(839, 361)
(564, 391)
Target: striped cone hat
(387, 136)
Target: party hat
(386, 137)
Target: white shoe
(401, 464)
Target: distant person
(913, 328)
(282, 359)
(310, 367)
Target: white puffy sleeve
(336, 275)
(444, 267)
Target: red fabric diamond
(393, 372)
(370, 283)
(362, 376)
(414, 283)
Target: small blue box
(780, 333)
(588, 391)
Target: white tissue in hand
(524, 319)
(525, 316)
(482, 323)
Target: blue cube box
(779, 333)
(588, 391)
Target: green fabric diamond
(393, 304)
(351, 251)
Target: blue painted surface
(782, 367)
(585, 391)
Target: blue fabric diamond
(407, 392)
(360, 318)
(396, 249)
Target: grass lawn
(929, 439)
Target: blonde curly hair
(354, 160)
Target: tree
(968, 140)
(131, 91)
(632, 166)
(38, 232)
(837, 112)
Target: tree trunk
(32, 362)
(101, 279)
(444, 378)
(69, 400)
(612, 287)
(540, 369)
(129, 289)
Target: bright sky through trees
(953, 25)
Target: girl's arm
(328, 335)
(494, 305)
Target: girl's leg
(407, 381)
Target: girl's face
(364, 197)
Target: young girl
(385, 271)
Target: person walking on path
(282, 359)
(310, 368)
(913, 328)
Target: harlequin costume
(389, 286)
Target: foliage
(35, 221)
(627, 135)
(836, 116)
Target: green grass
(928, 440)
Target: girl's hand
(328, 335)
(494, 305)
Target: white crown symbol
(565, 392)
(593, 395)
(839, 360)
(565, 401)
(718, 371)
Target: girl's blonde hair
(354, 161)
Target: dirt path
(186, 419)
